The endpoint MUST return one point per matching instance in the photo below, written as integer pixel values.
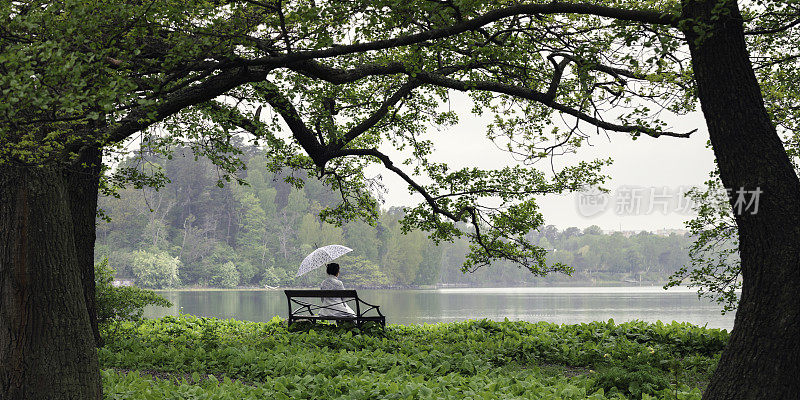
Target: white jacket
(338, 308)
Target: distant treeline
(195, 232)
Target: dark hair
(333, 269)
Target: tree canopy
(101, 85)
(347, 79)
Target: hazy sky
(644, 169)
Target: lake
(552, 304)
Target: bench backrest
(321, 293)
(361, 307)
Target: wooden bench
(300, 310)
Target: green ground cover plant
(187, 357)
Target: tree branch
(469, 211)
(318, 70)
(387, 162)
(640, 16)
(337, 76)
(143, 117)
(381, 112)
(301, 133)
(543, 98)
(774, 30)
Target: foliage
(643, 381)
(360, 272)
(482, 359)
(93, 74)
(266, 227)
(715, 267)
(155, 269)
(125, 303)
(346, 87)
(225, 276)
(273, 277)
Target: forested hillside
(196, 231)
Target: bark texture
(83, 181)
(46, 343)
(762, 360)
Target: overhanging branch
(142, 117)
(542, 98)
(468, 214)
(389, 164)
(301, 133)
(381, 112)
(474, 24)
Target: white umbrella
(322, 256)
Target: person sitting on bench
(334, 306)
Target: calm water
(559, 305)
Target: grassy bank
(196, 358)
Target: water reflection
(559, 305)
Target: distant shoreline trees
(255, 235)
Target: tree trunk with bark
(46, 343)
(83, 181)
(761, 360)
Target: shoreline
(580, 285)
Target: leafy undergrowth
(199, 358)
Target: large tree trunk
(762, 360)
(83, 181)
(46, 343)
